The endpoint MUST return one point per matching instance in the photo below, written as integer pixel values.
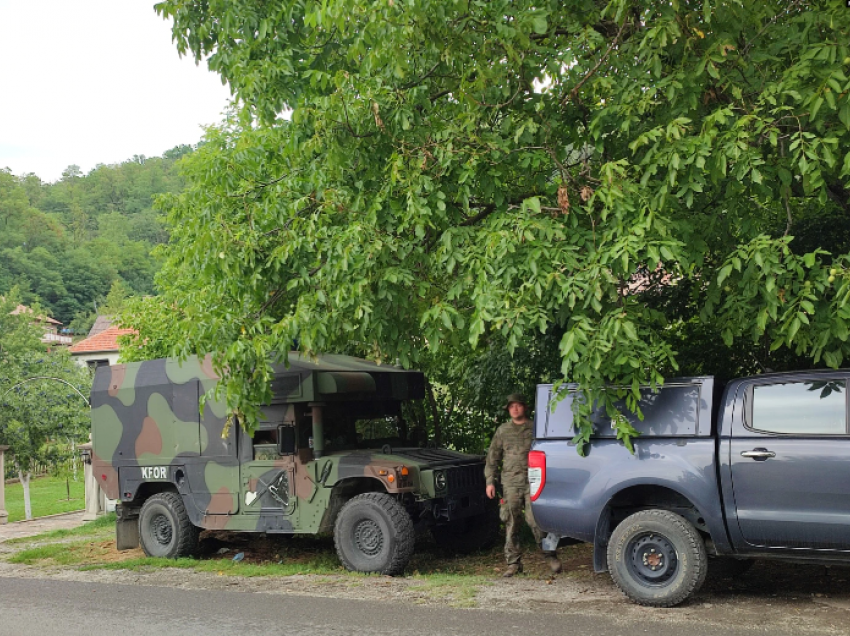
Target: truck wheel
(165, 529)
(374, 533)
(657, 558)
(466, 536)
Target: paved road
(40, 607)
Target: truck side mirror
(286, 440)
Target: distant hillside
(66, 244)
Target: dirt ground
(773, 596)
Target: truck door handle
(758, 453)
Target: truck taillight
(536, 473)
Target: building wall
(92, 358)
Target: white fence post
(93, 494)
(4, 516)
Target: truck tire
(374, 533)
(657, 558)
(466, 536)
(164, 527)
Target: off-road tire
(374, 533)
(164, 527)
(469, 535)
(665, 541)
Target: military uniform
(507, 461)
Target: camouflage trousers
(514, 501)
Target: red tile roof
(104, 341)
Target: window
(801, 408)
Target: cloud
(95, 81)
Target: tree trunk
(73, 460)
(435, 413)
(25, 482)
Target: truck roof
(305, 379)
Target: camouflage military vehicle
(326, 458)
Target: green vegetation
(49, 497)
(91, 553)
(101, 528)
(645, 188)
(43, 401)
(223, 566)
(460, 590)
(432, 576)
(65, 244)
(91, 547)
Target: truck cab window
(800, 408)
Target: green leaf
(816, 107)
(844, 114)
(539, 24)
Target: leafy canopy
(626, 174)
(35, 408)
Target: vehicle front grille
(465, 478)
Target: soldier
(508, 454)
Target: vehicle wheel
(374, 533)
(728, 567)
(165, 529)
(466, 536)
(657, 558)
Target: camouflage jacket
(508, 455)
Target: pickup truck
(720, 476)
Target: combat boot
(553, 562)
(513, 568)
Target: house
(51, 334)
(99, 349)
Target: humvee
(327, 458)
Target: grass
(455, 582)
(459, 590)
(431, 575)
(48, 496)
(101, 528)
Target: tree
(19, 335)
(40, 395)
(455, 174)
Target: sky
(90, 82)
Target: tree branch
(592, 71)
(421, 79)
(486, 211)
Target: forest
(66, 245)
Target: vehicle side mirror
(286, 440)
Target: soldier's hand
(491, 491)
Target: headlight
(440, 480)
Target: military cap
(516, 397)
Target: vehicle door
(790, 464)
(267, 484)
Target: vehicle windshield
(363, 426)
